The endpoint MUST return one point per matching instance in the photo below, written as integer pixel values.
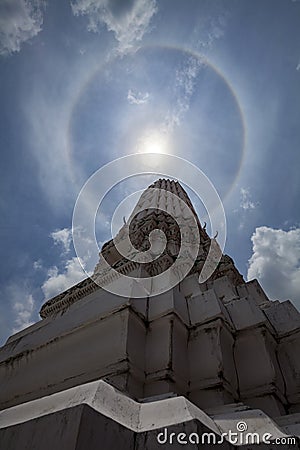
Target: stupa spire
(160, 207)
(155, 210)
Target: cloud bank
(276, 262)
(20, 20)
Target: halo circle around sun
(150, 139)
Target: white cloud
(63, 237)
(24, 309)
(247, 205)
(210, 29)
(137, 98)
(276, 262)
(38, 265)
(298, 66)
(59, 282)
(20, 20)
(18, 310)
(22, 306)
(128, 20)
(72, 272)
(185, 81)
(246, 202)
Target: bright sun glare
(153, 142)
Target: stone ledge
(140, 417)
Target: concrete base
(96, 415)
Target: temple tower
(220, 347)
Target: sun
(153, 142)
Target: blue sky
(87, 81)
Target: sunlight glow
(153, 142)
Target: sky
(84, 82)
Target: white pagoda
(104, 371)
